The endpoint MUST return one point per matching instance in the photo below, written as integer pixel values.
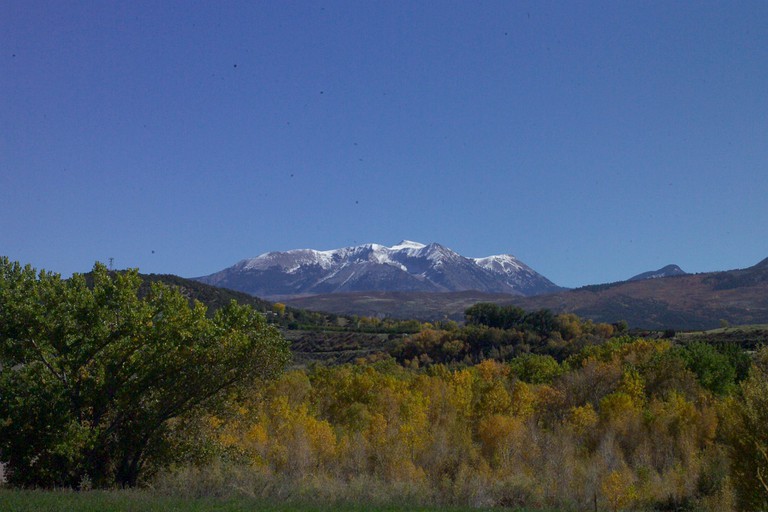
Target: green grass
(145, 501)
(730, 329)
(748, 337)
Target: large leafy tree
(96, 380)
(714, 370)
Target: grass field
(748, 337)
(143, 501)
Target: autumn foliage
(102, 386)
(623, 425)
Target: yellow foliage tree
(523, 400)
(501, 438)
(493, 399)
(583, 419)
(490, 370)
(278, 308)
(618, 489)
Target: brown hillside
(696, 301)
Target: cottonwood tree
(95, 380)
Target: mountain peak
(407, 244)
(435, 250)
(500, 262)
(667, 271)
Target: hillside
(211, 296)
(688, 302)
(314, 336)
(423, 306)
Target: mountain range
(685, 302)
(405, 267)
(429, 282)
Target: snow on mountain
(501, 263)
(513, 272)
(406, 266)
(408, 245)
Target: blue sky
(592, 140)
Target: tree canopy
(96, 380)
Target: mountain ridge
(685, 302)
(406, 266)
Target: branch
(62, 376)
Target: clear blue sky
(593, 140)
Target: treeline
(498, 332)
(628, 424)
(279, 314)
(302, 319)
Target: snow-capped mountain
(407, 266)
(668, 271)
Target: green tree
(484, 313)
(493, 315)
(541, 321)
(96, 382)
(713, 369)
(535, 368)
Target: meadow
(147, 501)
